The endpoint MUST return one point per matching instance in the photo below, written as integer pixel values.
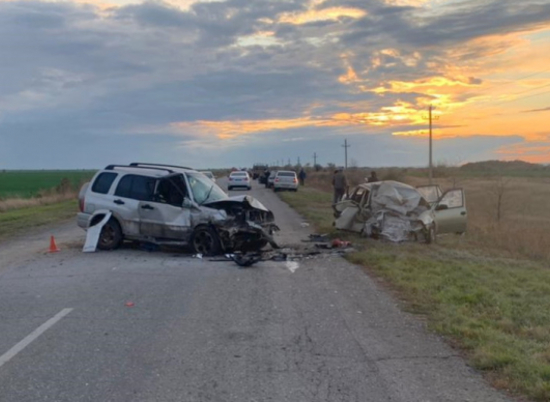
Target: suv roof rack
(112, 167)
(159, 164)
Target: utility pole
(314, 159)
(431, 118)
(431, 164)
(346, 146)
(288, 162)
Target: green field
(28, 183)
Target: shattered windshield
(204, 189)
(430, 193)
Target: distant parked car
(208, 174)
(285, 180)
(239, 179)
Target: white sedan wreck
(398, 212)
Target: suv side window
(169, 193)
(103, 182)
(137, 187)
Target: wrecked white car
(398, 212)
(172, 205)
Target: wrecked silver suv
(172, 205)
(398, 212)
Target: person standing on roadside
(302, 177)
(340, 185)
(373, 178)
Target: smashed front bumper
(248, 236)
(249, 225)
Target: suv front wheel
(205, 241)
(110, 236)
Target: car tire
(111, 236)
(205, 241)
(430, 235)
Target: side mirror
(441, 207)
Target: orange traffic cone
(53, 246)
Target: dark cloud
(157, 14)
(456, 23)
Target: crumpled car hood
(243, 199)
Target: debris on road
(337, 243)
(292, 266)
(286, 254)
(317, 238)
(246, 260)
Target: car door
(450, 212)
(349, 217)
(129, 192)
(164, 216)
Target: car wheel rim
(203, 242)
(107, 235)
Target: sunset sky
(230, 83)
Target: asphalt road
(138, 326)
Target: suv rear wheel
(110, 236)
(205, 241)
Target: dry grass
(18, 203)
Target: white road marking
(292, 266)
(6, 357)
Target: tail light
(81, 204)
(276, 180)
(295, 180)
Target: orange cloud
(332, 13)
(399, 114)
(350, 76)
(234, 128)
